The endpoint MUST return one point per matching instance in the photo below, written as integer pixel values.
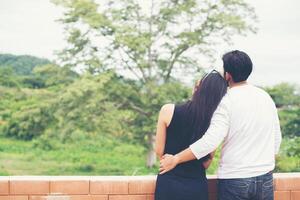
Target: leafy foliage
(23, 112)
(285, 95)
(7, 78)
(80, 108)
(32, 72)
(287, 99)
(51, 75)
(149, 40)
(291, 128)
(21, 65)
(289, 157)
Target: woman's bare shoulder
(167, 108)
(166, 112)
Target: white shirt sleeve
(277, 132)
(216, 132)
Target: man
(247, 123)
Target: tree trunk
(151, 155)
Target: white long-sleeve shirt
(247, 123)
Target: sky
(30, 27)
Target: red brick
(13, 197)
(99, 197)
(48, 197)
(295, 195)
(4, 187)
(69, 187)
(61, 197)
(282, 195)
(141, 186)
(78, 197)
(288, 183)
(29, 187)
(109, 186)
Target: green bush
(289, 158)
(28, 123)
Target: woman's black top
(178, 138)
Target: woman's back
(187, 181)
(179, 137)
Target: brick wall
(287, 187)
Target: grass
(98, 157)
(103, 157)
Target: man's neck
(232, 84)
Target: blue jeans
(254, 188)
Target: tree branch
(128, 66)
(137, 109)
(177, 53)
(150, 45)
(135, 60)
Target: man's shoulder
(226, 102)
(260, 89)
(263, 93)
(226, 99)
(248, 90)
(249, 95)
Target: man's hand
(167, 163)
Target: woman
(179, 126)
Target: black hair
(206, 98)
(238, 64)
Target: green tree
(84, 108)
(287, 99)
(154, 42)
(51, 75)
(8, 78)
(22, 65)
(284, 95)
(24, 112)
(47, 76)
(292, 127)
(29, 122)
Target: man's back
(249, 147)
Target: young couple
(243, 118)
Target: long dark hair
(206, 98)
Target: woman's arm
(207, 163)
(164, 119)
